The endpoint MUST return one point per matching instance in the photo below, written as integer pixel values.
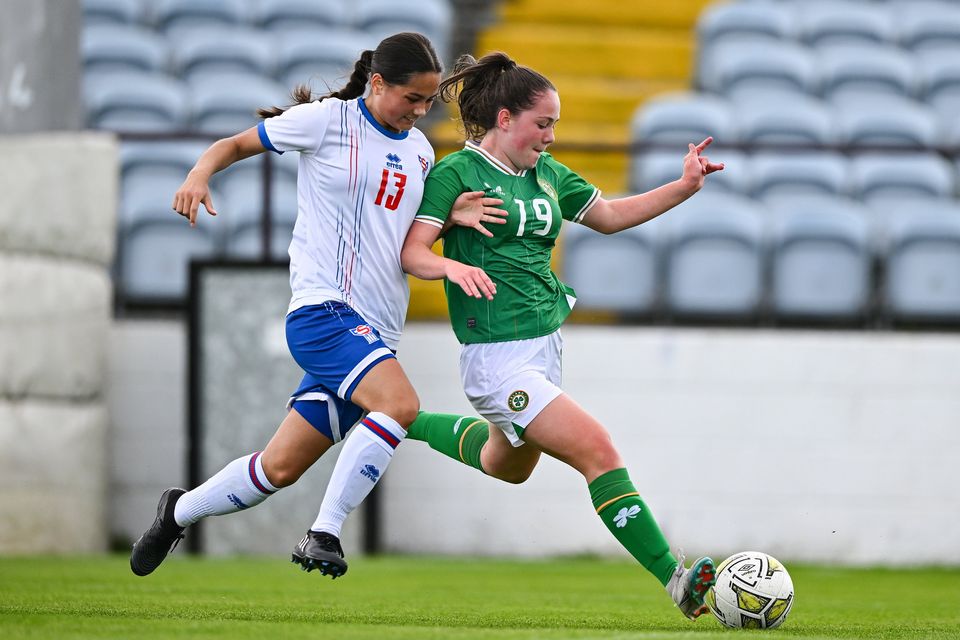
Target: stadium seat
(858, 73)
(784, 119)
(247, 242)
(746, 21)
(876, 176)
(242, 189)
(922, 267)
(928, 25)
(821, 260)
(381, 18)
(827, 23)
(224, 50)
(136, 102)
(169, 15)
(109, 48)
(324, 59)
(940, 79)
(619, 272)
(179, 155)
(733, 68)
(888, 122)
(715, 258)
(105, 12)
(783, 175)
(682, 118)
(651, 169)
(226, 104)
(154, 259)
(284, 16)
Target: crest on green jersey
(547, 188)
(518, 400)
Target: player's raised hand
(473, 280)
(188, 198)
(696, 166)
(471, 209)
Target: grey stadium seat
(785, 119)
(821, 259)
(432, 18)
(97, 12)
(746, 21)
(154, 260)
(169, 15)
(940, 77)
(226, 104)
(247, 242)
(922, 267)
(141, 102)
(179, 155)
(326, 56)
(907, 175)
(714, 258)
(775, 175)
(733, 68)
(925, 25)
(120, 48)
(827, 23)
(619, 272)
(651, 169)
(294, 15)
(859, 72)
(888, 122)
(224, 50)
(243, 193)
(682, 118)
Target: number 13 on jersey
(393, 182)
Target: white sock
(362, 462)
(239, 485)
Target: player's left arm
(610, 216)
(418, 259)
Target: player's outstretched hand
(696, 167)
(472, 208)
(187, 199)
(473, 280)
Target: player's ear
(376, 84)
(503, 118)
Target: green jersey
(530, 301)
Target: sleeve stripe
(432, 221)
(587, 205)
(265, 139)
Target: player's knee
(405, 410)
(281, 474)
(515, 476)
(603, 457)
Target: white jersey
(358, 189)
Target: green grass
(424, 598)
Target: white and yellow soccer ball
(753, 591)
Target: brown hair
(483, 87)
(397, 58)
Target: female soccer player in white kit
(361, 175)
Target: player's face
(398, 106)
(530, 132)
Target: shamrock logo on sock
(624, 515)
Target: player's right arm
(220, 155)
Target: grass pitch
(426, 598)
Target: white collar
(497, 164)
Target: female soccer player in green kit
(510, 359)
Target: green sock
(630, 521)
(457, 437)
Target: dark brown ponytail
(482, 87)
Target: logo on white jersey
(366, 332)
(425, 165)
(393, 161)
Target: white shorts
(510, 383)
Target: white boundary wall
(819, 446)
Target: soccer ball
(753, 591)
